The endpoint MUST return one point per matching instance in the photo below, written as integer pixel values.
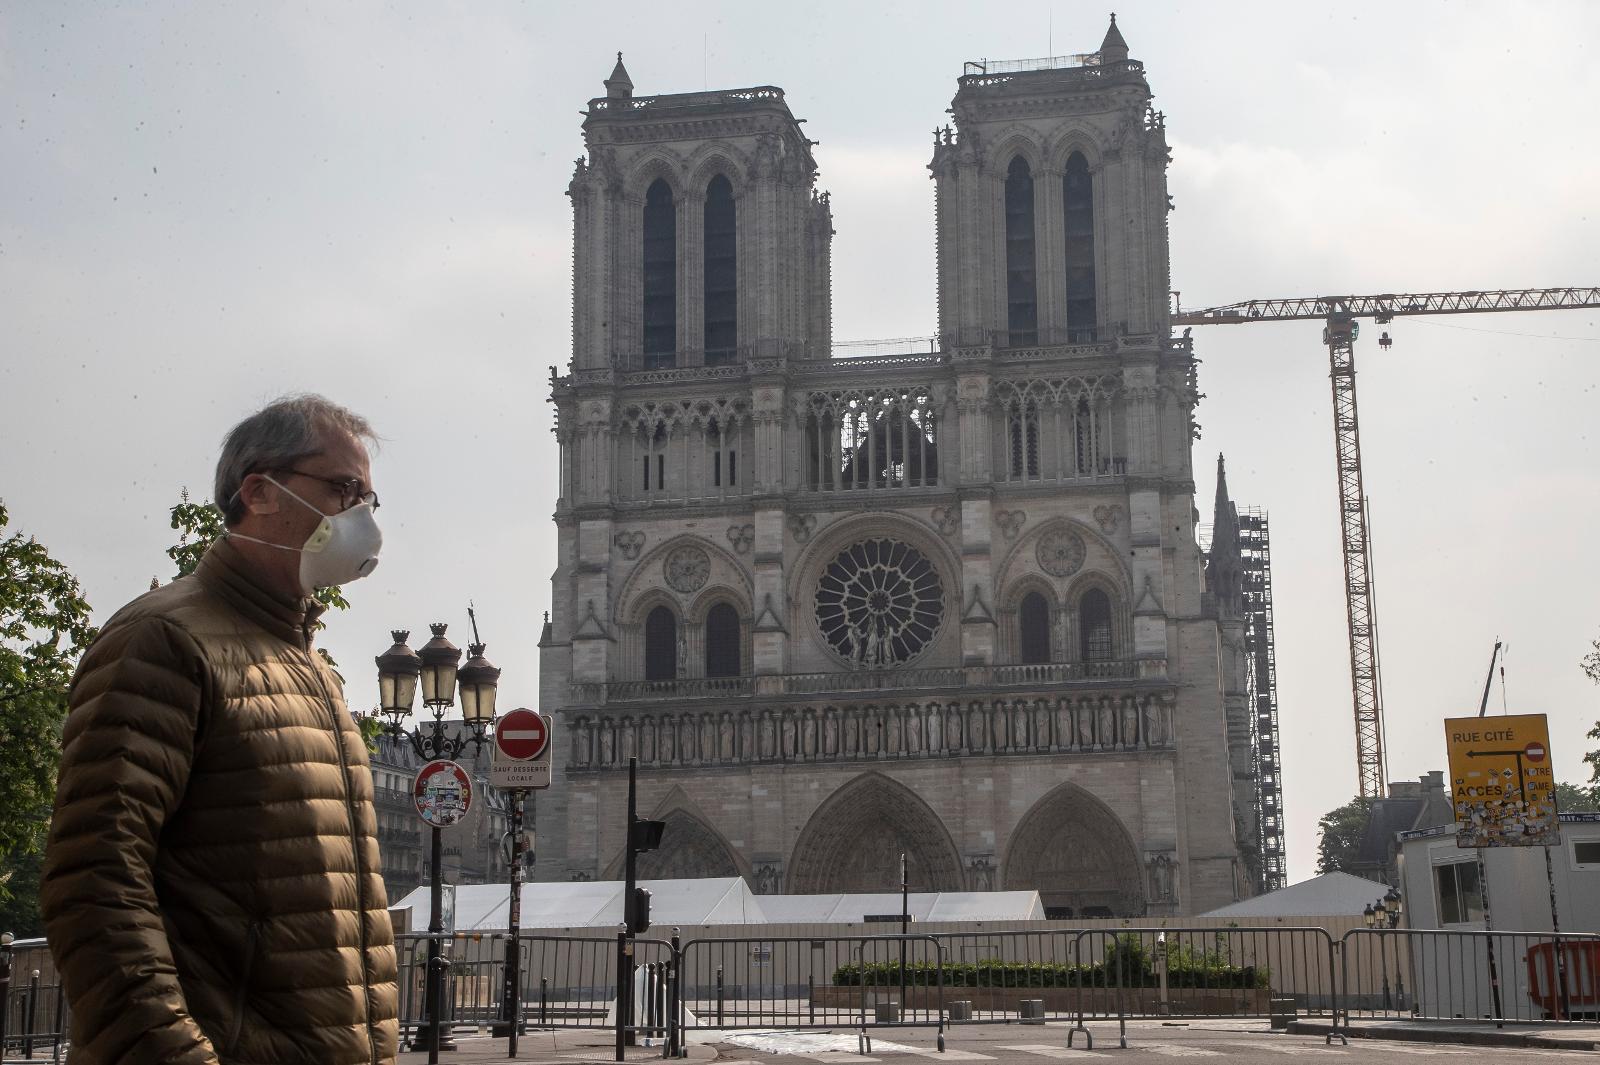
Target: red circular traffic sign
(1534, 751)
(521, 735)
(442, 792)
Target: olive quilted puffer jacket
(211, 889)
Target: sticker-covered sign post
(1503, 790)
(521, 764)
(442, 792)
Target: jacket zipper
(355, 842)
(251, 950)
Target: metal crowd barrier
(863, 982)
(1441, 975)
(567, 981)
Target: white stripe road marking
(944, 1055)
(1178, 1050)
(1282, 1048)
(834, 1055)
(1425, 1051)
(1054, 1052)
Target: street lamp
(1383, 915)
(1396, 907)
(400, 672)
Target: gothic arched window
(1022, 296)
(723, 650)
(660, 276)
(1094, 625)
(721, 273)
(1022, 428)
(1077, 194)
(1033, 617)
(660, 645)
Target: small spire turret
(619, 86)
(1113, 49)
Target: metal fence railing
(33, 1009)
(868, 982)
(1437, 975)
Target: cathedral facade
(947, 604)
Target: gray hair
(281, 434)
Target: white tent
(1333, 894)
(595, 904)
(923, 906)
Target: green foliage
(1591, 668)
(1341, 831)
(44, 627)
(1574, 798)
(1129, 962)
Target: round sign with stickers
(442, 792)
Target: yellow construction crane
(1339, 315)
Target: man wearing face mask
(211, 889)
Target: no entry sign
(521, 735)
(442, 792)
(521, 751)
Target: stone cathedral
(945, 603)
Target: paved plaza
(1240, 1042)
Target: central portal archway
(854, 841)
(1076, 853)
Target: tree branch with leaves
(44, 627)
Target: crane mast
(1371, 769)
(1339, 314)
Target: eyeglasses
(350, 493)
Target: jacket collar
(226, 575)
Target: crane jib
(1391, 305)
(1366, 671)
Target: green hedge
(1127, 963)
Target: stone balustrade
(869, 680)
(1087, 723)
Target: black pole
(905, 929)
(435, 930)
(511, 997)
(625, 939)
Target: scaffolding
(1255, 552)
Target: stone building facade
(947, 604)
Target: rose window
(879, 603)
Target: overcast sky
(205, 205)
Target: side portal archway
(1076, 853)
(854, 841)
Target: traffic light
(638, 915)
(646, 835)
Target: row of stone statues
(824, 733)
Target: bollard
(675, 997)
(811, 999)
(719, 996)
(544, 997)
(31, 1023)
